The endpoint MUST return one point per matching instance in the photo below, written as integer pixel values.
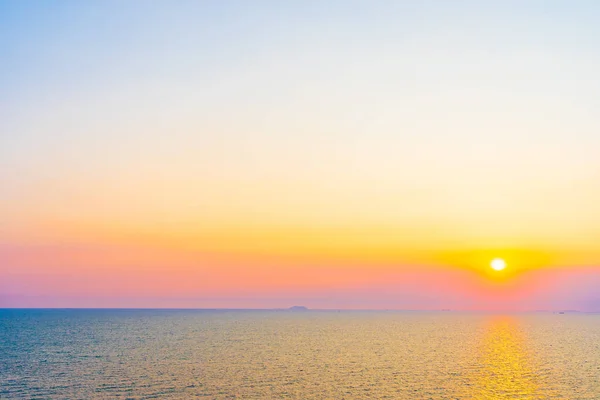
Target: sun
(498, 264)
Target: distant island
(298, 308)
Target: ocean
(243, 354)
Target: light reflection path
(505, 369)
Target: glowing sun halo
(498, 264)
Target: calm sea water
(167, 354)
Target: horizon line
(569, 311)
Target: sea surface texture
(181, 354)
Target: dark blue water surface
(228, 354)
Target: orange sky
(351, 156)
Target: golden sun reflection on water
(506, 369)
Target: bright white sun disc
(498, 264)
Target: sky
(332, 154)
